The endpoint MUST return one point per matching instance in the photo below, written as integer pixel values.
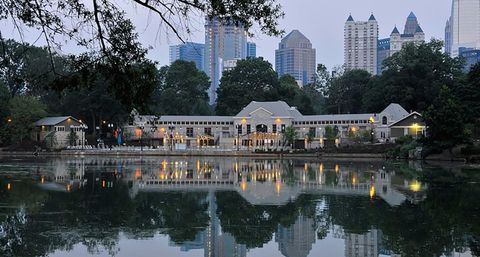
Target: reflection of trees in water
(46, 221)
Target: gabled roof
(419, 29)
(404, 118)
(395, 30)
(52, 121)
(372, 18)
(395, 111)
(278, 109)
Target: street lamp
(171, 128)
(141, 127)
(83, 127)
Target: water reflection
(234, 207)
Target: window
(189, 132)
(239, 129)
(274, 128)
(207, 131)
(249, 129)
(384, 120)
(283, 128)
(312, 131)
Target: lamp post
(83, 127)
(238, 136)
(110, 127)
(171, 128)
(141, 127)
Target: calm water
(236, 207)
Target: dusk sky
(321, 21)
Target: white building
(260, 125)
(59, 132)
(360, 44)
(463, 27)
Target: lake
(236, 207)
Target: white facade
(464, 25)
(360, 44)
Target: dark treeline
(419, 77)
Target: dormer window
(384, 120)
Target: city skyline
(323, 22)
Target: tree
(24, 110)
(445, 121)
(414, 75)
(345, 92)
(182, 90)
(331, 133)
(72, 137)
(469, 94)
(289, 91)
(289, 136)
(310, 137)
(251, 80)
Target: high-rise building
(360, 45)
(388, 46)
(411, 24)
(362, 244)
(463, 26)
(189, 51)
(223, 41)
(471, 57)
(296, 240)
(296, 57)
(448, 37)
(251, 49)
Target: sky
(321, 21)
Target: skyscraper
(360, 44)
(464, 25)
(189, 51)
(411, 24)
(223, 41)
(296, 57)
(448, 37)
(296, 240)
(388, 46)
(251, 49)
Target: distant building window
(189, 132)
(249, 129)
(207, 131)
(274, 128)
(384, 120)
(239, 129)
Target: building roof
(180, 118)
(52, 121)
(395, 30)
(277, 109)
(404, 118)
(412, 16)
(372, 18)
(295, 39)
(419, 29)
(396, 111)
(350, 18)
(328, 117)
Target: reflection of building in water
(361, 245)
(212, 240)
(296, 240)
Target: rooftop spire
(372, 18)
(395, 30)
(350, 18)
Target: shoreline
(316, 155)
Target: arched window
(384, 120)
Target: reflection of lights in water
(68, 188)
(305, 167)
(43, 179)
(321, 168)
(9, 186)
(278, 186)
(354, 180)
(415, 186)
(138, 173)
(372, 191)
(103, 183)
(243, 185)
(198, 165)
(236, 166)
(337, 168)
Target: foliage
(24, 110)
(331, 133)
(469, 94)
(50, 140)
(445, 124)
(251, 80)
(72, 137)
(413, 77)
(289, 135)
(182, 90)
(345, 92)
